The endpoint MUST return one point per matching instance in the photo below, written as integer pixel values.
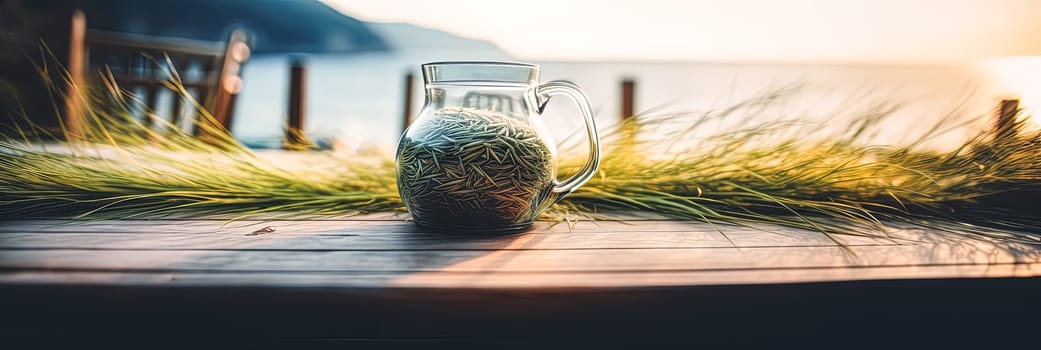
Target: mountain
(275, 26)
(405, 36)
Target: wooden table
(380, 280)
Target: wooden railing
(1005, 115)
(140, 62)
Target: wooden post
(151, 101)
(297, 98)
(407, 114)
(628, 104)
(1005, 119)
(1006, 115)
(74, 104)
(628, 110)
(229, 83)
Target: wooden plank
(607, 233)
(155, 82)
(361, 279)
(381, 261)
(512, 260)
(333, 226)
(139, 42)
(359, 241)
(665, 278)
(394, 253)
(377, 234)
(201, 226)
(368, 234)
(314, 279)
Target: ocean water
(356, 101)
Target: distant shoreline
(909, 65)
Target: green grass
(767, 173)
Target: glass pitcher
(478, 156)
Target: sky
(837, 31)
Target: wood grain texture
(379, 280)
(384, 252)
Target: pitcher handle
(572, 91)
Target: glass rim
(486, 63)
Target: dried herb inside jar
(473, 168)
